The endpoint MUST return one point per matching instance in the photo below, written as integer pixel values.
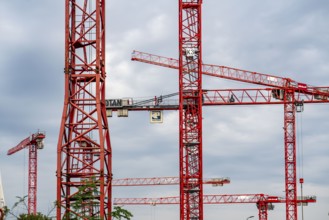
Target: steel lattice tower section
(190, 110)
(262, 206)
(33, 167)
(290, 155)
(84, 150)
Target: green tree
(21, 201)
(5, 210)
(120, 213)
(37, 216)
(86, 198)
(85, 201)
(23, 216)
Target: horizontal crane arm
(207, 199)
(23, 144)
(220, 97)
(215, 70)
(34, 139)
(235, 74)
(162, 181)
(255, 96)
(211, 199)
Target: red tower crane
(263, 202)
(190, 110)
(34, 143)
(286, 91)
(84, 150)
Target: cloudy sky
(245, 143)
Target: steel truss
(190, 110)
(84, 151)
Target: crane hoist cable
(24, 172)
(158, 98)
(300, 144)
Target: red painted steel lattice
(32, 192)
(190, 110)
(84, 151)
(236, 74)
(263, 202)
(290, 156)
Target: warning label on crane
(156, 116)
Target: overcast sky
(245, 143)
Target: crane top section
(35, 139)
(235, 74)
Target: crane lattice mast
(290, 155)
(190, 110)
(84, 150)
(33, 142)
